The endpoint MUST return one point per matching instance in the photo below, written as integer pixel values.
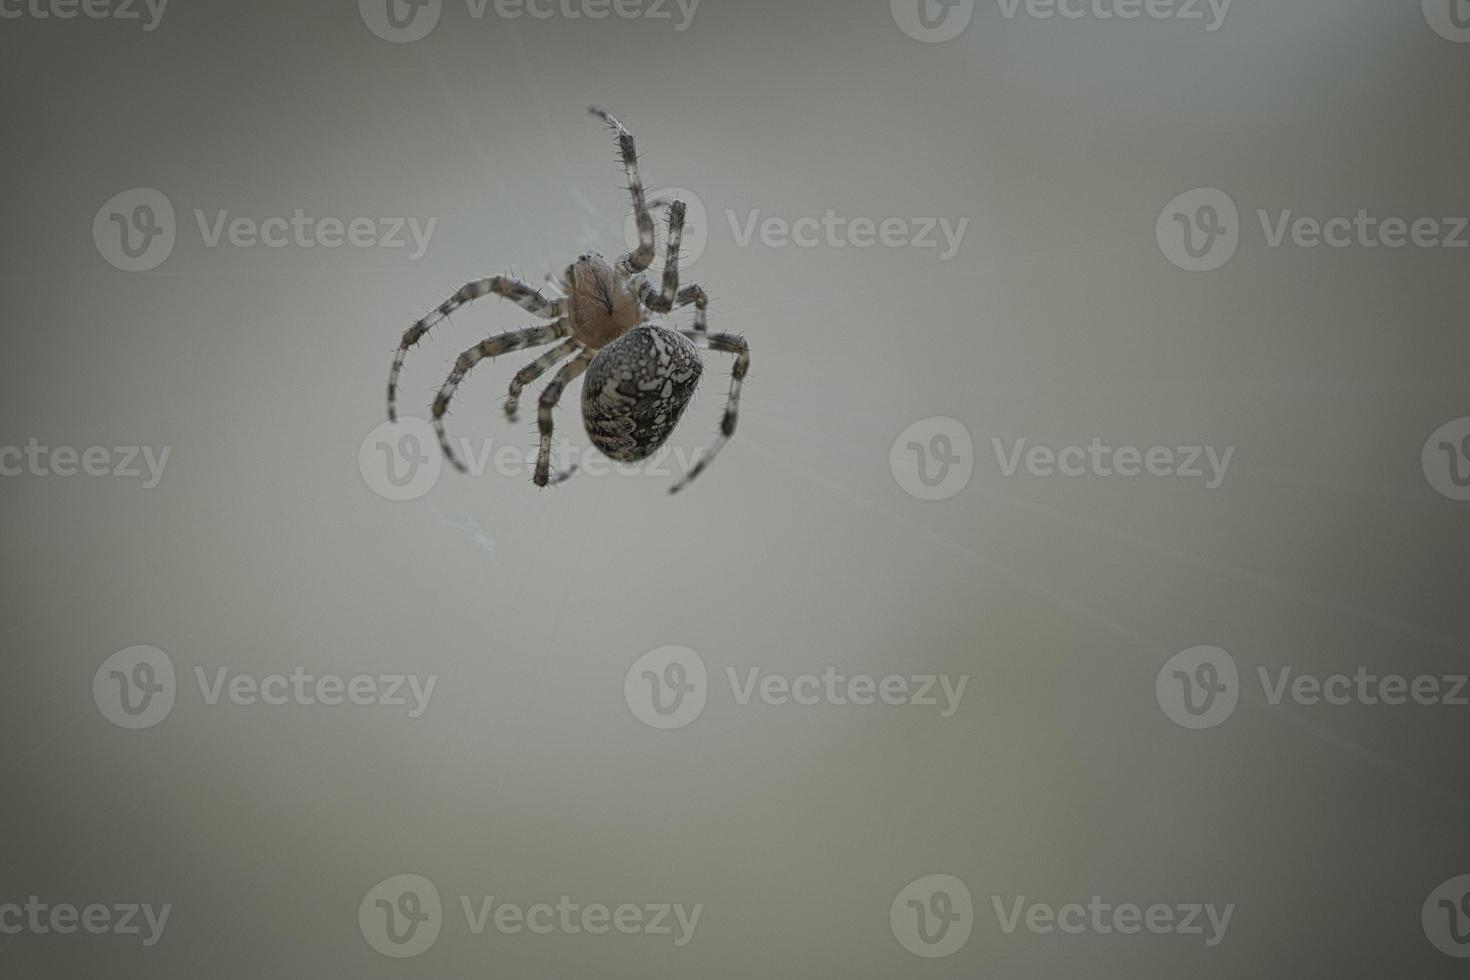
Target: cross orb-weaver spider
(640, 373)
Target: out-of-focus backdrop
(1084, 589)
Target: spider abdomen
(636, 389)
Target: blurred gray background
(265, 546)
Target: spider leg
(697, 296)
(517, 291)
(534, 370)
(641, 257)
(663, 302)
(489, 347)
(689, 294)
(550, 395)
(730, 344)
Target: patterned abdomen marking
(636, 389)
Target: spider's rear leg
(534, 370)
(550, 395)
(489, 347)
(641, 257)
(730, 344)
(518, 291)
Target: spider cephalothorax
(640, 373)
(602, 304)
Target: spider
(640, 372)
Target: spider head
(588, 265)
(603, 301)
(591, 270)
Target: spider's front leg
(641, 257)
(489, 347)
(730, 344)
(550, 395)
(663, 301)
(518, 291)
(697, 296)
(687, 295)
